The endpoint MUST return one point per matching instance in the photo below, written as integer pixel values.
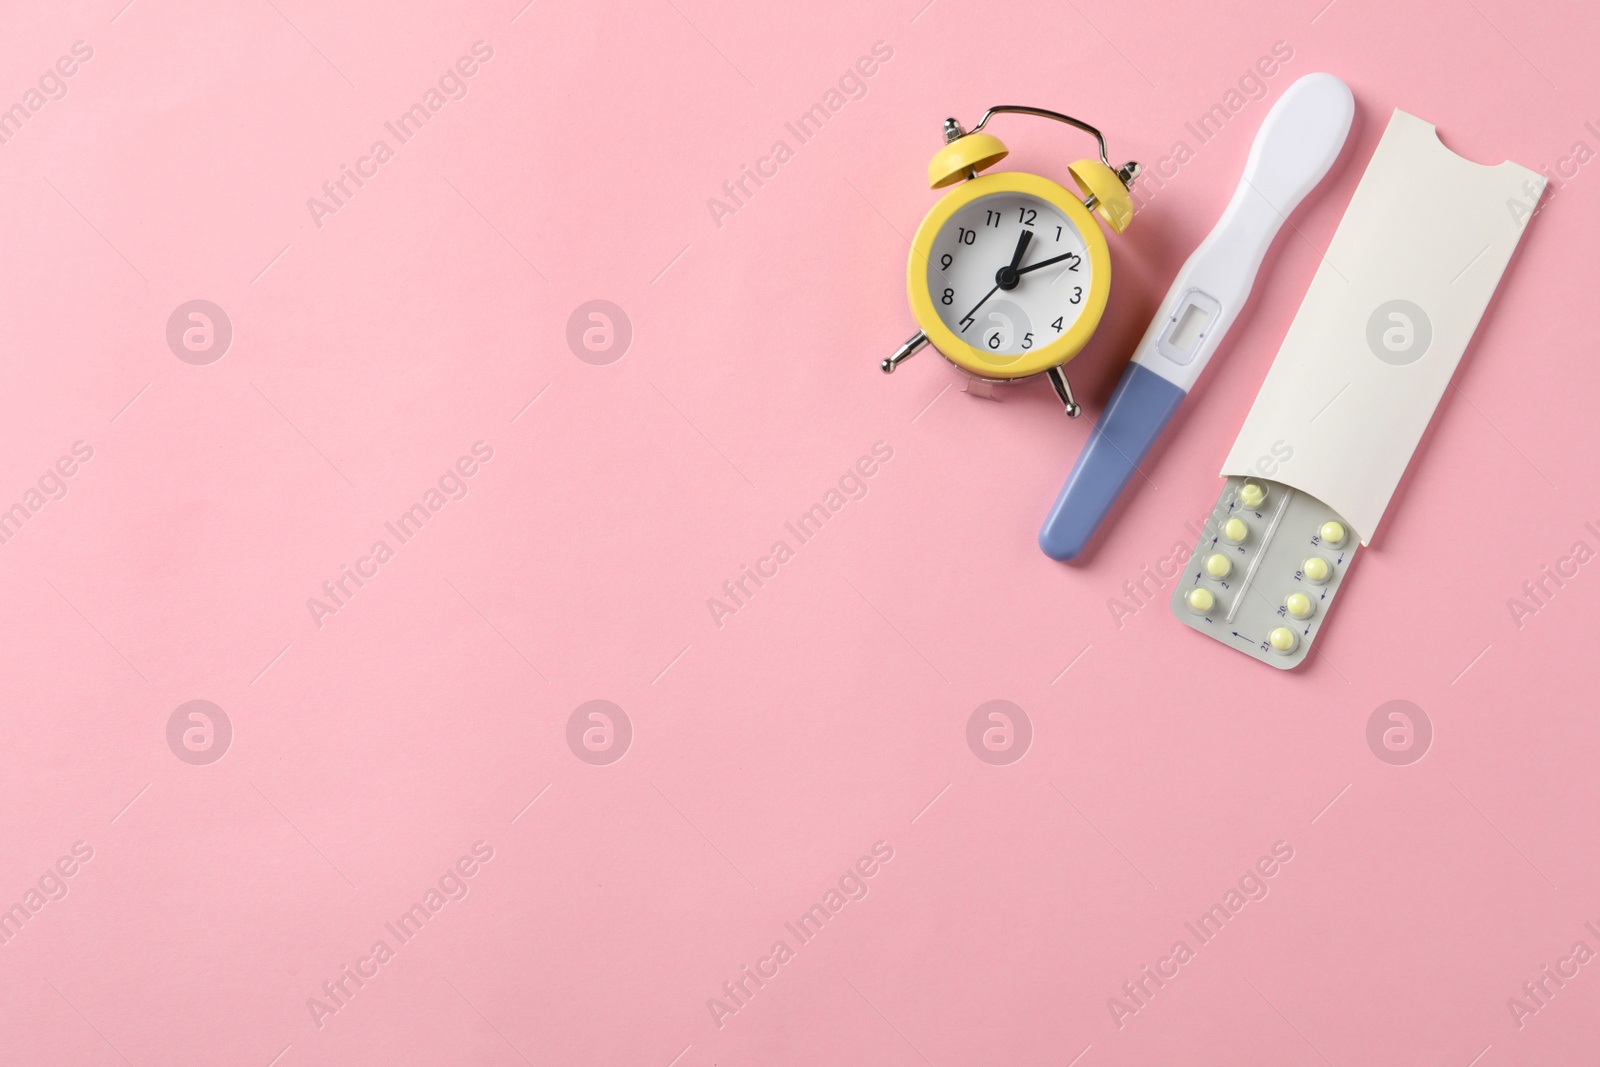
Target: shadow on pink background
(398, 832)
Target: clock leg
(1058, 378)
(904, 352)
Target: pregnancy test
(1297, 143)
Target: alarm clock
(1008, 274)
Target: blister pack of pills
(1370, 353)
(1265, 571)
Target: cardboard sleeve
(1391, 309)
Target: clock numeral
(949, 297)
(1027, 341)
(1057, 324)
(945, 261)
(1077, 294)
(1058, 233)
(991, 218)
(994, 340)
(966, 236)
(1072, 261)
(1026, 215)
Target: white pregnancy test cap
(1298, 142)
(1299, 139)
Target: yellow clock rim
(946, 340)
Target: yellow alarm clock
(1009, 273)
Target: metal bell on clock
(1107, 189)
(963, 157)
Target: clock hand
(1006, 276)
(1022, 248)
(1047, 262)
(968, 316)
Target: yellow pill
(1299, 605)
(1317, 569)
(1201, 600)
(1252, 495)
(1283, 640)
(1234, 531)
(1218, 565)
(1332, 532)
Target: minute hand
(1046, 263)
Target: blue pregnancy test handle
(1138, 411)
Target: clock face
(993, 301)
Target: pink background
(768, 754)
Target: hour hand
(1022, 248)
(1007, 276)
